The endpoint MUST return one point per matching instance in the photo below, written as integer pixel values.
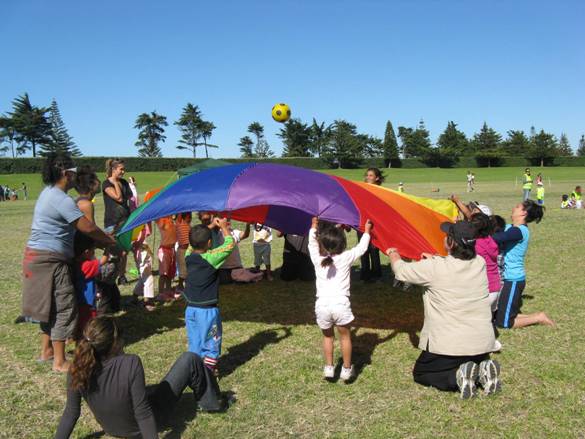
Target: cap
(462, 231)
(540, 183)
(482, 207)
(400, 184)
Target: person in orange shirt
(167, 261)
(183, 227)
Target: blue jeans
(526, 194)
(204, 333)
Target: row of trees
(39, 130)
(195, 132)
(341, 143)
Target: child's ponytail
(327, 262)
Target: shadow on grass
(240, 354)
(139, 324)
(375, 306)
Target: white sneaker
(346, 373)
(328, 372)
(497, 346)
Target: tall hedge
(31, 165)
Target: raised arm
(362, 247)
(418, 273)
(513, 234)
(465, 211)
(313, 243)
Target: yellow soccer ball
(281, 112)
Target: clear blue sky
(511, 63)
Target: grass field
(272, 357)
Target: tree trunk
(194, 151)
(12, 148)
(542, 162)
(34, 149)
(206, 152)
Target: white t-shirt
(262, 236)
(333, 282)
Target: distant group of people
(72, 293)
(574, 200)
(10, 194)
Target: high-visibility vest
(540, 193)
(527, 182)
(576, 195)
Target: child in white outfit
(332, 269)
(143, 257)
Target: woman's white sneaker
(466, 378)
(328, 372)
(346, 373)
(489, 376)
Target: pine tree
(415, 141)
(453, 140)
(246, 145)
(257, 129)
(344, 147)
(543, 147)
(296, 137)
(516, 144)
(487, 145)
(190, 126)
(206, 129)
(30, 124)
(262, 149)
(581, 149)
(61, 140)
(151, 132)
(390, 145)
(564, 147)
(320, 135)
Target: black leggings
(440, 371)
(187, 371)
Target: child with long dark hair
(332, 269)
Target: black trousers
(297, 266)
(439, 371)
(187, 371)
(371, 268)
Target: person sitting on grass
(576, 195)
(232, 269)
(514, 240)
(457, 336)
(113, 386)
(567, 203)
(333, 269)
(202, 317)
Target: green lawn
(272, 357)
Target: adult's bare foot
(63, 368)
(546, 320)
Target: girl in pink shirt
(487, 248)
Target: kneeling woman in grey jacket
(457, 335)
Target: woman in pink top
(487, 248)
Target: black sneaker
(466, 377)
(122, 280)
(489, 376)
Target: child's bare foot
(63, 368)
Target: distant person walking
(469, 181)
(526, 184)
(24, 190)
